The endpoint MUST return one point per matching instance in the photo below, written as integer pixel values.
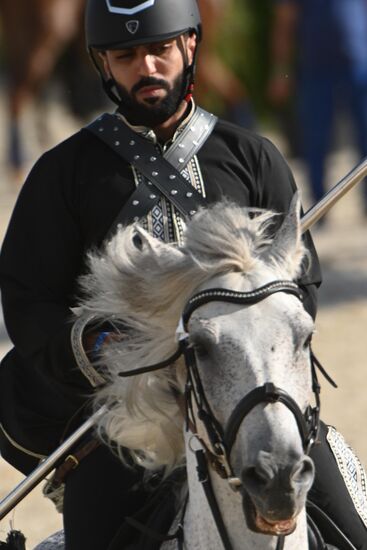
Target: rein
(222, 439)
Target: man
(319, 55)
(145, 52)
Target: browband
(232, 296)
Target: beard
(154, 111)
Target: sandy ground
(340, 341)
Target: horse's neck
(202, 533)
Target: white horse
(228, 301)
(247, 366)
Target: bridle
(216, 451)
(223, 439)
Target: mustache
(150, 81)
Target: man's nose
(147, 65)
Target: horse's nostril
(303, 472)
(255, 477)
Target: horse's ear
(141, 238)
(137, 241)
(145, 242)
(287, 244)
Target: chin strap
(106, 84)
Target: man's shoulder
(73, 144)
(245, 138)
(82, 142)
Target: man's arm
(41, 257)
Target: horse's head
(251, 352)
(251, 362)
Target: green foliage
(244, 46)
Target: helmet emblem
(132, 26)
(114, 6)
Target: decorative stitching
(351, 470)
(20, 447)
(164, 221)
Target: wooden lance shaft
(311, 217)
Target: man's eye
(161, 49)
(125, 55)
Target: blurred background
(292, 70)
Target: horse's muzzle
(274, 493)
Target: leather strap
(191, 139)
(161, 171)
(72, 461)
(204, 479)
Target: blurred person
(213, 75)
(71, 198)
(319, 60)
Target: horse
(213, 363)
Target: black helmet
(115, 24)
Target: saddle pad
(54, 542)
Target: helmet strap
(107, 84)
(191, 77)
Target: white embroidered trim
(19, 447)
(95, 379)
(352, 471)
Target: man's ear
(191, 47)
(104, 61)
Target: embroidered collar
(148, 133)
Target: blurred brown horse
(35, 34)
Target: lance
(312, 216)
(317, 211)
(47, 465)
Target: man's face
(150, 78)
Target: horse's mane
(143, 283)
